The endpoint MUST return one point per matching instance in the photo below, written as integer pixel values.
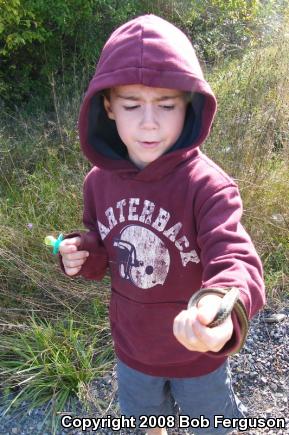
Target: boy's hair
(188, 95)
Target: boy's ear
(107, 107)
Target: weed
(52, 362)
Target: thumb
(208, 307)
(68, 246)
(73, 241)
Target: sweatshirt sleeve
(228, 255)
(96, 263)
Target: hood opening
(192, 125)
(103, 136)
(102, 132)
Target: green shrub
(59, 38)
(59, 41)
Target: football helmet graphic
(142, 257)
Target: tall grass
(53, 357)
(250, 140)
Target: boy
(166, 221)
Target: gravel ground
(260, 377)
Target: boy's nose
(149, 120)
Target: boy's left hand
(191, 331)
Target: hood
(151, 51)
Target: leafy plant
(42, 43)
(41, 39)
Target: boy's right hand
(72, 259)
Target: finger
(190, 336)
(67, 249)
(207, 308)
(214, 338)
(72, 270)
(69, 245)
(193, 341)
(183, 329)
(71, 264)
(179, 326)
(78, 255)
(72, 241)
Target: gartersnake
(230, 301)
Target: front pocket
(145, 331)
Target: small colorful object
(51, 241)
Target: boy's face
(148, 120)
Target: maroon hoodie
(169, 229)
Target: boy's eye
(165, 107)
(130, 107)
(168, 107)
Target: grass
(52, 362)
(250, 140)
(54, 330)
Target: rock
(275, 318)
(268, 412)
(273, 387)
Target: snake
(230, 301)
(230, 297)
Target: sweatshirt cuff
(96, 263)
(236, 342)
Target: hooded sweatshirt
(171, 228)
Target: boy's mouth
(147, 144)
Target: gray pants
(185, 399)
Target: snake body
(227, 304)
(230, 301)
